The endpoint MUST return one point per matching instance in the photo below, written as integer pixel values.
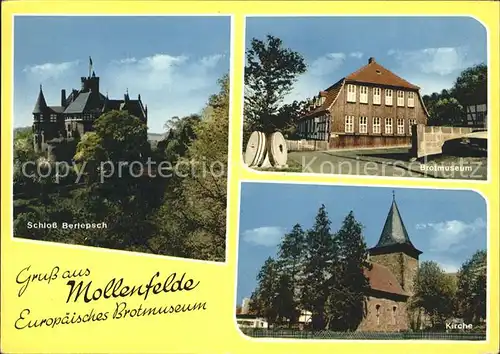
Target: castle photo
(59, 125)
(122, 144)
(344, 275)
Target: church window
(377, 308)
(394, 309)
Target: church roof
(382, 279)
(41, 104)
(394, 232)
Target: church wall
(388, 319)
(401, 265)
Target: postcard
(410, 102)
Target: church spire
(394, 233)
(41, 104)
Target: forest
(181, 213)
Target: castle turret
(40, 105)
(395, 249)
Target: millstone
(277, 150)
(253, 150)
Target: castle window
(411, 122)
(376, 95)
(349, 124)
(388, 125)
(351, 93)
(376, 125)
(37, 117)
(388, 97)
(363, 124)
(53, 118)
(363, 94)
(322, 100)
(377, 313)
(401, 126)
(394, 309)
(411, 99)
(401, 99)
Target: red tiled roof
(331, 94)
(382, 279)
(374, 73)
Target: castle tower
(396, 251)
(40, 120)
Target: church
(76, 113)
(394, 261)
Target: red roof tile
(382, 279)
(331, 94)
(374, 73)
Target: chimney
(63, 98)
(371, 60)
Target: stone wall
(392, 315)
(427, 140)
(306, 145)
(401, 265)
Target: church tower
(395, 251)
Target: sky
(429, 52)
(448, 226)
(172, 62)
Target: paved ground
(393, 162)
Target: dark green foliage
(349, 284)
(447, 107)
(434, 293)
(270, 73)
(319, 272)
(155, 211)
(471, 294)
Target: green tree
(265, 299)
(195, 201)
(120, 191)
(270, 73)
(181, 133)
(318, 260)
(349, 284)
(288, 117)
(290, 260)
(471, 292)
(471, 84)
(435, 293)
